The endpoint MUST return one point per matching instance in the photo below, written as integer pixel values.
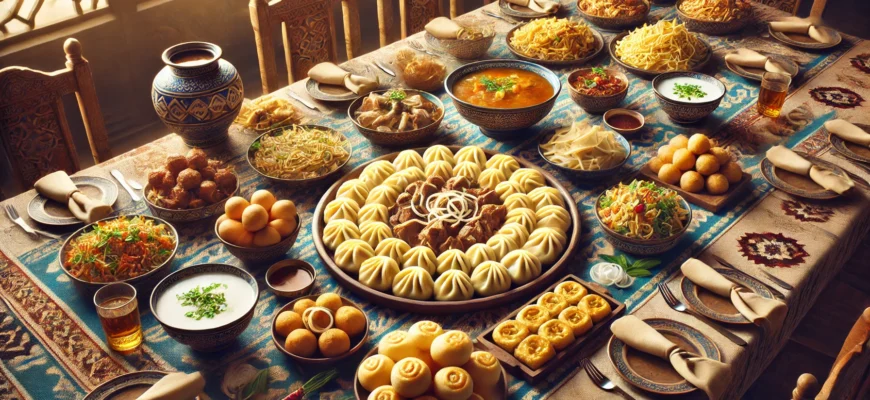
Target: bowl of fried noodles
(642, 217)
(614, 15)
(663, 47)
(714, 17)
(299, 154)
(554, 41)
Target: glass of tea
(774, 88)
(119, 314)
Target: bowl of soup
(205, 306)
(503, 97)
(688, 96)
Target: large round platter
(611, 48)
(804, 41)
(48, 212)
(518, 11)
(851, 150)
(127, 386)
(446, 307)
(798, 185)
(599, 45)
(720, 308)
(755, 74)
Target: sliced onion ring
(308, 319)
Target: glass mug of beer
(774, 88)
(119, 314)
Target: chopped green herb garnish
(590, 83)
(599, 71)
(396, 95)
(207, 303)
(557, 39)
(605, 202)
(256, 145)
(688, 91)
(503, 84)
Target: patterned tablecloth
(52, 346)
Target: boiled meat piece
(409, 231)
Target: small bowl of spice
(291, 278)
(624, 121)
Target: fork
(13, 215)
(600, 380)
(496, 16)
(419, 47)
(678, 305)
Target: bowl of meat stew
(397, 117)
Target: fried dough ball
(178, 198)
(707, 164)
(684, 159)
(189, 179)
(176, 164)
(208, 191)
(717, 184)
(157, 178)
(732, 172)
(300, 306)
(288, 321)
(669, 174)
(722, 154)
(666, 153)
(351, 320)
(331, 301)
(196, 158)
(679, 141)
(225, 180)
(301, 342)
(207, 173)
(169, 181)
(334, 342)
(699, 143)
(215, 164)
(692, 182)
(655, 164)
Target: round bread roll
(679, 141)
(533, 316)
(732, 172)
(397, 346)
(707, 164)
(655, 164)
(669, 174)
(558, 332)
(717, 184)
(422, 333)
(571, 291)
(385, 392)
(509, 334)
(484, 369)
(553, 302)
(535, 351)
(666, 153)
(692, 182)
(453, 383)
(451, 349)
(577, 318)
(374, 372)
(699, 143)
(411, 377)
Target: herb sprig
(502, 84)
(207, 303)
(637, 268)
(688, 91)
(396, 95)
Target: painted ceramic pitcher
(197, 94)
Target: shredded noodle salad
(643, 210)
(119, 249)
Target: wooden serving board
(709, 202)
(581, 348)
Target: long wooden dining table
(52, 345)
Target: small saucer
(624, 111)
(293, 267)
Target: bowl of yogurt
(688, 96)
(205, 306)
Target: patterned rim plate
(755, 74)
(812, 191)
(611, 48)
(845, 148)
(599, 45)
(516, 11)
(690, 294)
(133, 382)
(337, 93)
(36, 208)
(807, 45)
(645, 371)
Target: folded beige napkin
(175, 386)
(332, 74)
(802, 26)
(544, 6)
(848, 131)
(711, 376)
(444, 28)
(59, 187)
(753, 59)
(768, 313)
(790, 161)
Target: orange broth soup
(503, 88)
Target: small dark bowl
(615, 23)
(648, 73)
(298, 182)
(259, 255)
(684, 112)
(291, 264)
(356, 343)
(590, 175)
(597, 104)
(713, 27)
(624, 111)
(405, 138)
(503, 122)
(193, 214)
(206, 340)
(639, 246)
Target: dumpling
(373, 213)
(382, 194)
(453, 285)
(407, 159)
(338, 231)
(546, 243)
(453, 259)
(376, 172)
(528, 178)
(478, 253)
(490, 178)
(420, 256)
(467, 169)
(553, 216)
(393, 248)
(374, 232)
(413, 283)
(343, 208)
(505, 163)
(523, 216)
(438, 152)
(507, 188)
(378, 272)
(397, 181)
(545, 196)
(490, 278)
(522, 265)
(354, 189)
(515, 231)
(439, 168)
(519, 200)
(350, 255)
(414, 174)
(472, 154)
(501, 245)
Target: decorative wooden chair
(850, 375)
(414, 15)
(308, 31)
(792, 6)
(33, 125)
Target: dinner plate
(804, 41)
(127, 386)
(799, 185)
(46, 211)
(611, 48)
(517, 11)
(654, 374)
(599, 45)
(719, 308)
(851, 150)
(755, 73)
(324, 92)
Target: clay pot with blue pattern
(197, 94)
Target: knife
(384, 68)
(783, 284)
(494, 15)
(120, 177)
(304, 102)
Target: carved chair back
(413, 15)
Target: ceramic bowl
(206, 340)
(615, 23)
(648, 73)
(298, 265)
(598, 46)
(597, 104)
(299, 182)
(589, 175)
(377, 137)
(259, 255)
(639, 246)
(356, 342)
(713, 27)
(466, 49)
(193, 214)
(624, 111)
(501, 123)
(683, 111)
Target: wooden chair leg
(385, 21)
(89, 105)
(350, 13)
